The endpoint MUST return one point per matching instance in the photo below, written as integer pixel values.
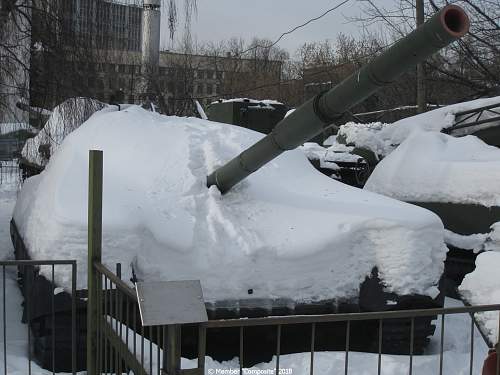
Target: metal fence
(122, 344)
(27, 274)
(474, 117)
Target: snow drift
(287, 231)
(383, 138)
(435, 167)
(482, 287)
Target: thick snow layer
(482, 287)
(65, 118)
(368, 136)
(329, 157)
(342, 157)
(474, 242)
(383, 138)
(435, 120)
(435, 167)
(286, 231)
(313, 151)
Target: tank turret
(319, 113)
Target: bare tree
(469, 67)
(14, 57)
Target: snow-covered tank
(457, 178)
(287, 240)
(268, 235)
(456, 175)
(258, 115)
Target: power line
(295, 29)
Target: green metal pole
(173, 352)
(94, 254)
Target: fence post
(94, 254)
(172, 354)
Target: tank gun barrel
(320, 112)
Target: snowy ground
(16, 332)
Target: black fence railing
(124, 345)
(50, 347)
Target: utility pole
(151, 20)
(421, 94)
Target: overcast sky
(223, 19)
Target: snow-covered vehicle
(258, 115)
(374, 141)
(288, 240)
(265, 233)
(348, 164)
(446, 160)
(455, 177)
